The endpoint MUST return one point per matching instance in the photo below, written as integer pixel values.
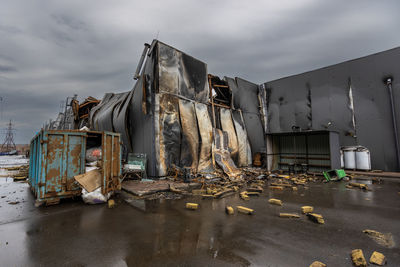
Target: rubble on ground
(252, 183)
(317, 264)
(192, 206)
(307, 209)
(317, 218)
(18, 173)
(289, 215)
(245, 210)
(358, 259)
(244, 196)
(377, 258)
(358, 185)
(383, 239)
(275, 201)
(111, 203)
(229, 210)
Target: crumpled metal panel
(103, 118)
(246, 99)
(262, 98)
(96, 109)
(169, 133)
(205, 128)
(227, 126)
(222, 155)
(244, 150)
(121, 121)
(112, 114)
(190, 136)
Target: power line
(9, 143)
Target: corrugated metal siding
(301, 148)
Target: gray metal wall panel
(335, 150)
(330, 103)
(142, 135)
(141, 118)
(246, 97)
(372, 105)
(287, 108)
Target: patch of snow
(11, 161)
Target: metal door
(64, 158)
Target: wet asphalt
(164, 233)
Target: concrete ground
(164, 233)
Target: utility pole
(9, 143)
(1, 107)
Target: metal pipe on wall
(396, 136)
(139, 67)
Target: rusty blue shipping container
(59, 155)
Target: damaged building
(172, 110)
(180, 116)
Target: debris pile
(275, 201)
(245, 210)
(316, 218)
(281, 182)
(377, 258)
(357, 185)
(357, 256)
(317, 264)
(252, 182)
(192, 206)
(383, 239)
(307, 209)
(289, 215)
(229, 210)
(18, 173)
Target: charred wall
(320, 100)
(168, 115)
(171, 115)
(246, 99)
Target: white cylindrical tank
(349, 157)
(363, 159)
(341, 159)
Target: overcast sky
(52, 49)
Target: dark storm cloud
(7, 68)
(53, 49)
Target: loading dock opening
(295, 151)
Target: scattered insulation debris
(229, 210)
(377, 258)
(383, 239)
(307, 209)
(275, 201)
(192, 206)
(317, 264)
(317, 218)
(245, 210)
(357, 256)
(289, 215)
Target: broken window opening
(220, 92)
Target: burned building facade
(179, 115)
(172, 110)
